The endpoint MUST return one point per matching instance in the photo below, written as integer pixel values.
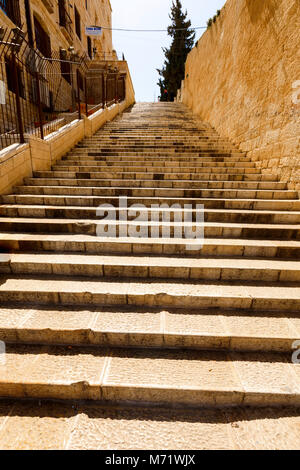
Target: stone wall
(243, 77)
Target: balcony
(12, 9)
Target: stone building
(56, 30)
(60, 24)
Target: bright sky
(143, 50)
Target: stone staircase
(146, 321)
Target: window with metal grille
(42, 39)
(11, 84)
(12, 9)
(77, 23)
(65, 67)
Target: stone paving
(147, 343)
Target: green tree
(183, 37)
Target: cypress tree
(183, 37)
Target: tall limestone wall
(243, 77)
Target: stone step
(44, 425)
(149, 230)
(145, 166)
(270, 249)
(138, 154)
(215, 190)
(159, 131)
(109, 266)
(85, 158)
(112, 141)
(208, 181)
(209, 203)
(205, 174)
(190, 378)
(126, 170)
(150, 148)
(151, 328)
(45, 290)
(158, 214)
(145, 142)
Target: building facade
(60, 66)
(61, 24)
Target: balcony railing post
(103, 91)
(116, 89)
(38, 92)
(18, 101)
(78, 100)
(86, 98)
(106, 90)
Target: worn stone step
(180, 214)
(109, 266)
(145, 166)
(190, 378)
(206, 174)
(74, 170)
(150, 328)
(168, 160)
(152, 150)
(213, 203)
(138, 154)
(58, 243)
(149, 230)
(216, 189)
(210, 181)
(136, 143)
(44, 425)
(45, 290)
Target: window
(11, 85)
(65, 67)
(89, 47)
(12, 9)
(62, 13)
(42, 39)
(77, 23)
(64, 17)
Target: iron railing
(38, 94)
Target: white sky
(143, 50)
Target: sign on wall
(93, 30)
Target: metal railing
(39, 95)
